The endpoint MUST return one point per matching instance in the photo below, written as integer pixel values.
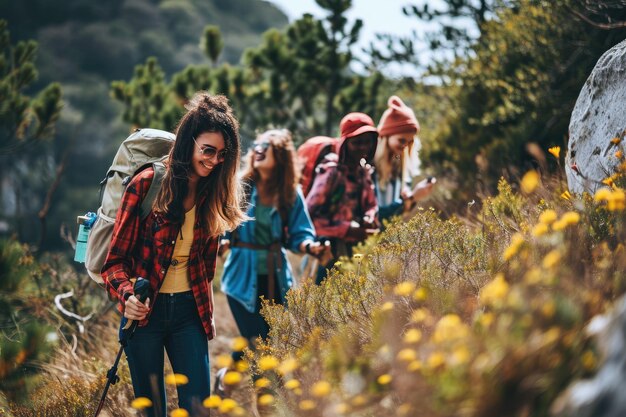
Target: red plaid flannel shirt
(144, 249)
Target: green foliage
(436, 316)
(297, 78)
(212, 43)
(23, 338)
(23, 120)
(147, 98)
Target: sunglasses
(210, 152)
(261, 146)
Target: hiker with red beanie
(397, 162)
(342, 202)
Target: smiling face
(263, 154)
(360, 147)
(208, 152)
(399, 141)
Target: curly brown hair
(285, 178)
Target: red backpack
(310, 154)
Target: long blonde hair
(220, 194)
(389, 167)
(285, 178)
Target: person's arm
(300, 227)
(117, 268)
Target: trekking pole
(142, 290)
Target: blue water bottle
(84, 227)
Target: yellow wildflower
(485, 319)
(359, 400)
(238, 412)
(555, 150)
(548, 309)
(436, 359)
(407, 355)
(386, 306)
(551, 259)
(320, 389)
(262, 383)
(420, 294)
(232, 378)
(419, 315)
(571, 217)
(224, 361)
(534, 276)
(617, 201)
(384, 379)
(449, 327)
(212, 401)
(566, 195)
(292, 384)
(239, 343)
(540, 229)
(176, 379)
(602, 194)
(404, 289)
(619, 154)
(516, 242)
(559, 225)
(548, 216)
(242, 366)
(589, 360)
(551, 335)
(140, 403)
(495, 292)
(530, 181)
(288, 365)
(608, 181)
(460, 355)
(414, 366)
(227, 405)
(179, 412)
(307, 405)
(266, 399)
(267, 363)
(616, 140)
(412, 336)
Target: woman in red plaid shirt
(175, 248)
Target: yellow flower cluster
(549, 218)
(615, 199)
(530, 181)
(516, 243)
(495, 292)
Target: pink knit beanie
(398, 118)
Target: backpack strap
(155, 186)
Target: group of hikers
(335, 190)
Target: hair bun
(204, 100)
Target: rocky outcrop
(598, 118)
(603, 395)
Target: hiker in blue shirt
(257, 264)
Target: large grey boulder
(602, 395)
(599, 116)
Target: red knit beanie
(398, 118)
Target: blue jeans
(252, 325)
(174, 326)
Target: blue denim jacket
(239, 279)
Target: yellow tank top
(177, 277)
